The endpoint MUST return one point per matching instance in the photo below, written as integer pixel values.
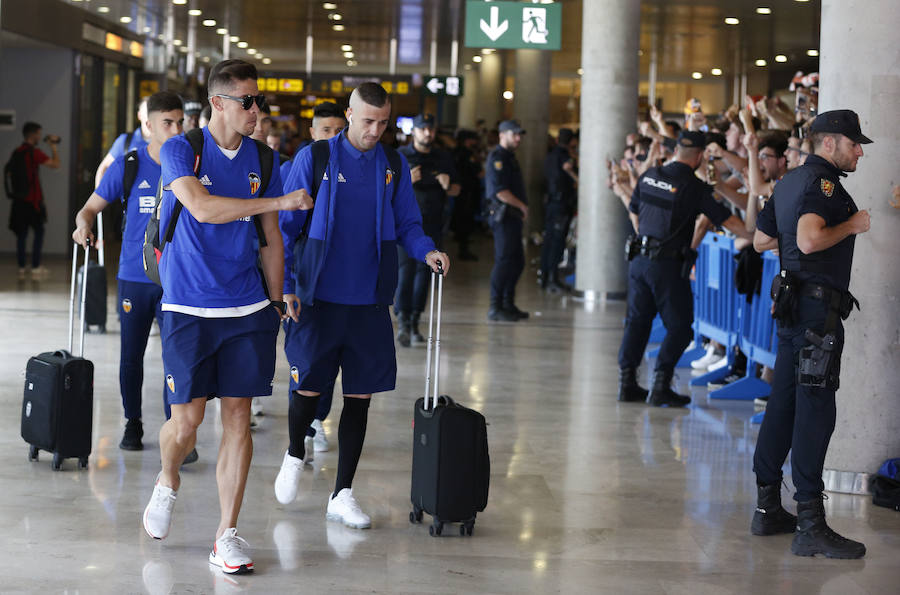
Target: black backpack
(153, 244)
(15, 174)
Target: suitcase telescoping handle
(433, 353)
(84, 276)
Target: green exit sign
(513, 25)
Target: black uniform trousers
(556, 226)
(798, 418)
(657, 286)
(414, 275)
(509, 259)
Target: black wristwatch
(282, 307)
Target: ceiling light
(507, 95)
(234, 39)
(251, 51)
(760, 62)
(176, 42)
(209, 23)
(206, 59)
(267, 60)
(103, 9)
(337, 27)
(179, 1)
(222, 31)
(125, 19)
(802, 0)
(580, 71)
(812, 53)
(183, 49)
(731, 21)
(195, 12)
(763, 10)
(346, 48)
(781, 58)
(696, 75)
(335, 17)
(348, 54)
(242, 44)
(476, 59)
(147, 29)
(329, 6)
(487, 51)
(352, 62)
(716, 72)
(160, 37)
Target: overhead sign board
(334, 84)
(513, 25)
(452, 86)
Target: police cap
(840, 121)
(192, 107)
(423, 121)
(692, 139)
(511, 126)
(565, 136)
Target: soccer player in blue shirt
(139, 138)
(139, 298)
(346, 274)
(219, 327)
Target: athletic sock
(301, 412)
(351, 435)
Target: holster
(784, 297)
(632, 247)
(496, 211)
(819, 364)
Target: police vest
(662, 190)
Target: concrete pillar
(468, 103)
(860, 70)
(532, 108)
(609, 89)
(490, 88)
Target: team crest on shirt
(170, 382)
(126, 305)
(295, 374)
(254, 182)
(388, 176)
(827, 187)
(498, 165)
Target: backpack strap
(266, 165)
(195, 138)
(126, 146)
(129, 175)
(321, 153)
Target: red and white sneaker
(158, 514)
(230, 553)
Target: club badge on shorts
(295, 374)
(170, 382)
(827, 187)
(254, 182)
(126, 305)
(388, 176)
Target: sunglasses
(246, 101)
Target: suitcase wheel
(467, 527)
(415, 516)
(56, 465)
(32, 453)
(83, 464)
(436, 529)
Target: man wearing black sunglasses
(219, 326)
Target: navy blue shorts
(219, 357)
(357, 339)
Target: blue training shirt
(137, 142)
(209, 265)
(139, 207)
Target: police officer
(559, 169)
(508, 209)
(469, 170)
(434, 179)
(664, 207)
(813, 222)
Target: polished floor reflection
(587, 495)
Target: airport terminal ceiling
(690, 35)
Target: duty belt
(653, 249)
(840, 303)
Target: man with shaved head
(340, 283)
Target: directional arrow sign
(444, 85)
(514, 25)
(434, 85)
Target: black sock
(351, 435)
(301, 412)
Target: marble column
(609, 93)
(532, 109)
(860, 70)
(491, 76)
(468, 103)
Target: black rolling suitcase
(58, 406)
(94, 305)
(451, 467)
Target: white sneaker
(288, 479)
(345, 508)
(229, 553)
(709, 357)
(718, 364)
(320, 441)
(256, 407)
(158, 514)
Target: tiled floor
(587, 495)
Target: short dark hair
(164, 101)
(30, 128)
(775, 141)
(327, 109)
(373, 94)
(817, 138)
(224, 74)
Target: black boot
(770, 518)
(500, 314)
(403, 329)
(131, 439)
(629, 390)
(510, 307)
(417, 338)
(662, 394)
(814, 536)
